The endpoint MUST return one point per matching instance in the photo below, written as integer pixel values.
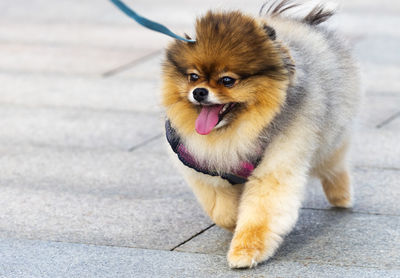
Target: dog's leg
(335, 178)
(219, 202)
(268, 210)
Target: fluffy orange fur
(220, 203)
(239, 45)
(236, 44)
(335, 178)
(265, 208)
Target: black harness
(240, 176)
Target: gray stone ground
(87, 190)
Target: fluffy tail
(319, 13)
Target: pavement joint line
(66, 148)
(388, 120)
(367, 167)
(318, 262)
(60, 44)
(81, 243)
(323, 263)
(131, 64)
(80, 108)
(350, 211)
(48, 73)
(383, 94)
(366, 11)
(192, 237)
(310, 261)
(144, 143)
(51, 74)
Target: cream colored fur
(262, 211)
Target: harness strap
(239, 177)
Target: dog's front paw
(241, 257)
(248, 247)
(251, 246)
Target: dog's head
(234, 71)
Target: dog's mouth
(211, 115)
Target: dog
(254, 107)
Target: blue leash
(147, 23)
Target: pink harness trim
(239, 176)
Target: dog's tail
(318, 14)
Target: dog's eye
(193, 77)
(227, 81)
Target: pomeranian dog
(254, 107)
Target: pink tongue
(208, 118)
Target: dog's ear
(270, 32)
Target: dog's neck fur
(225, 149)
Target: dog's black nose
(200, 94)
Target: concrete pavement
(86, 187)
